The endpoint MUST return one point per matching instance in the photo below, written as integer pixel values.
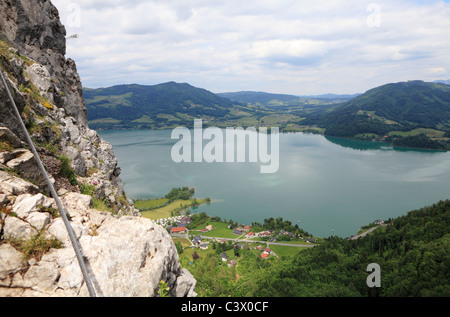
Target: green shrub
(6, 147)
(87, 190)
(101, 205)
(36, 247)
(67, 171)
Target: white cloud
(286, 46)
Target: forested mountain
(393, 112)
(412, 251)
(137, 106)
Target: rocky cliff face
(48, 92)
(127, 255)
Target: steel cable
(62, 211)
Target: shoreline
(283, 130)
(170, 208)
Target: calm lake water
(332, 186)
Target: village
(211, 233)
(224, 255)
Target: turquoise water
(332, 186)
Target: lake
(328, 186)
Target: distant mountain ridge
(333, 96)
(273, 100)
(256, 96)
(442, 81)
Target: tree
(195, 256)
(236, 251)
(179, 247)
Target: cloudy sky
(278, 46)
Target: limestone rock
(126, 256)
(5, 157)
(27, 203)
(40, 77)
(124, 271)
(15, 228)
(45, 274)
(58, 230)
(10, 263)
(26, 164)
(3, 199)
(11, 185)
(77, 201)
(39, 220)
(183, 286)
(8, 136)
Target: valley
(412, 114)
(356, 181)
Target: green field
(184, 242)
(167, 211)
(286, 250)
(186, 256)
(220, 230)
(143, 119)
(278, 119)
(150, 204)
(431, 133)
(106, 120)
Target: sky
(277, 46)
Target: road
(367, 232)
(186, 236)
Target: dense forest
(413, 252)
(420, 141)
(183, 193)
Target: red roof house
(178, 230)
